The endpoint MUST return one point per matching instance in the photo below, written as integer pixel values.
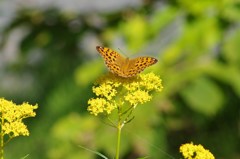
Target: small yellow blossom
(15, 128)
(105, 90)
(138, 96)
(11, 116)
(190, 151)
(96, 105)
(113, 92)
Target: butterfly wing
(122, 66)
(138, 64)
(113, 60)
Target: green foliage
(200, 91)
(196, 43)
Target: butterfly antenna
(122, 52)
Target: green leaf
(234, 78)
(203, 96)
(144, 157)
(231, 47)
(131, 30)
(26, 156)
(98, 153)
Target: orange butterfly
(122, 66)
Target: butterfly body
(122, 66)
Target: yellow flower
(190, 151)
(105, 90)
(114, 92)
(12, 115)
(137, 96)
(15, 128)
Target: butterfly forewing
(138, 64)
(112, 59)
(109, 55)
(122, 66)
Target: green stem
(119, 128)
(1, 140)
(1, 147)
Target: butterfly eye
(98, 47)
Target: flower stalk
(119, 129)
(1, 141)
(122, 95)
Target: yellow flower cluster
(11, 116)
(191, 151)
(113, 92)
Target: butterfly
(124, 67)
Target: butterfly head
(99, 48)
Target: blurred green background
(48, 56)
